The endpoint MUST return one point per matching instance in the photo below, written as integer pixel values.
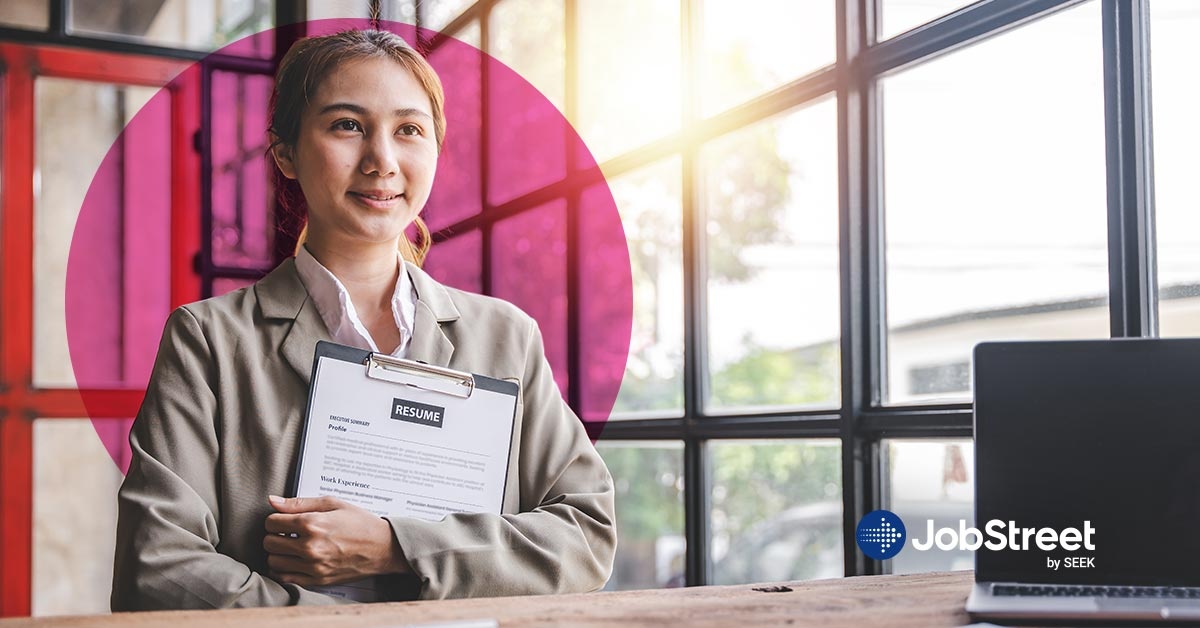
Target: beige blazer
(218, 431)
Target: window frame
(862, 421)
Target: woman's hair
(300, 73)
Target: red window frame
(20, 402)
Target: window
(897, 16)
(194, 24)
(994, 197)
(437, 14)
(528, 267)
(742, 55)
(649, 488)
(1176, 133)
(74, 514)
(939, 379)
(243, 221)
(930, 480)
(771, 228)
(609, 119)
(650, 201)
(125, 225)
(71, 193)
(776, 511)
(33, 14)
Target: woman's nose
(379, 156)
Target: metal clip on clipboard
(420, 375)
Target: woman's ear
(283, 155)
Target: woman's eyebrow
(411, 111)
(362, 111)
(343, 106)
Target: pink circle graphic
(553, 212)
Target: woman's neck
(368, 271)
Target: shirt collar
(333, 303)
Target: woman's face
(366, 154)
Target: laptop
(1097, 442)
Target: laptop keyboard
(1059, 590)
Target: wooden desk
(917, 600)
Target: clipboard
(472, 397)
(431, 441)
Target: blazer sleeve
(564, 538)
(167, 530)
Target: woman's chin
(359, 239)
(373, 233)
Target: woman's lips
(377, 200)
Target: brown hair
(301, 71)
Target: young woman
(357, 125)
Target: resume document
(400, 443)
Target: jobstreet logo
(880, 535)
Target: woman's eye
(410, 129)
(346, 125)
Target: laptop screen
(1099, 442)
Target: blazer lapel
(430, 344)
(282, 297)
(301, 340)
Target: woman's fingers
(295, 505)
(301, 525)
(284, 544)
(283, 564)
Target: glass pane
(1174, 49)
(242, 197)
(527, 36)
(611, 118)
(925, 481)
(326, 9)
(898, 16)
(770, 192)
(650, 202)
(470, 34)
(75, 485)
(26, 14)
(776, 510)
(122, 243)
(606, 307)
(995, 201)
(748, 49)
(529, 269)
(649, 483)
(526, 135)
(399, 11)
(437, 14)
(458, 188)
(197, 24)
(458, 262)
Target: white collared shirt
(337, 310)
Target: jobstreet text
(1004, 535)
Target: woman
(357, 124)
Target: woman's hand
(314, 541)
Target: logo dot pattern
(880, 534)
